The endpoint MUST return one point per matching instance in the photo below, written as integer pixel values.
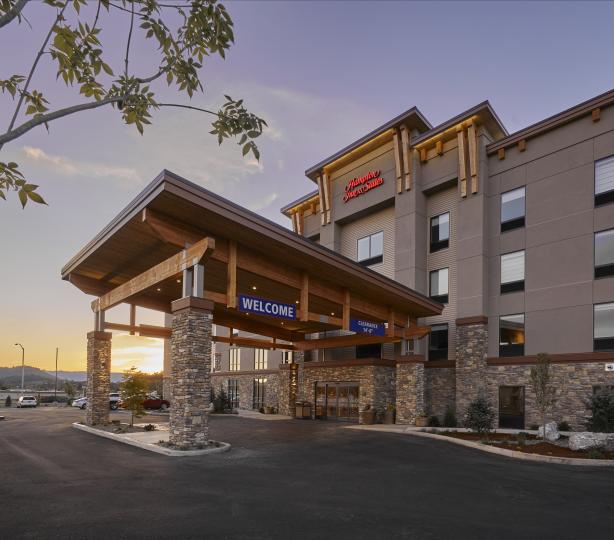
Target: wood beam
(178, 235)
(342, 341)
(397, 160)
(596, 114)
(472, 135)
(439, 147)
(346, 309)
(322, 200)
(522, 145)
(415, 332)
(462, 165)
(390, 329)
(145, 330)
(304, 300)
(405, 152)
(254, 326)
(172, 266)
(253, 342)
(501, 153)
(231, 278)
(423, 155)
(325, 319)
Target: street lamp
(23, 352)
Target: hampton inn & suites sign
(360, 185)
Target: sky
(321, 73)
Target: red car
(152, 402)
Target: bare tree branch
(22, 94)
(54, 115)
(129, 40)
(13, 12)
(187, 107)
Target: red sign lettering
(359, 186)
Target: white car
(27, 401)
(113, 401)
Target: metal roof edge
(298, 201)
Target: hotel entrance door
(337, 401)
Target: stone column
(190, 372)
(471, 366)
(166, 372)
(98, 378)
(410, 401)
(289, 384)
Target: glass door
(511, 407)
(337, 401)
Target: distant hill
(35, 377)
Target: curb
(578, 462)
(224, 447)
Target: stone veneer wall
(471, 354)
(246, 386)
(410, 395)
(98, 378)
(377, 382)
(440, 390)
(191, 371)
(575, 385)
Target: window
(512, 209)
(233, 393)
(371, 249)
(438, 285)
(604, 181)
(260, 358)
(603, 332)
(259, 390)
(511, 335)
(286, 357)
(374, 350)
(235, 359)
(217, 362)
(512, 272)
(440, 232)
(438, 342)
(604, 253)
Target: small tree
(69, 389)
(133, 391)
(480, 415)
(542, 382)
(220, 400)
(8, 401)
(449, 418)
(601, 404)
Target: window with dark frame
(604, 253)
(260, 358)
(370, 249)
(604, 181)
(440, 232)
(259, 391)
(513, 209)
(233, 393)
(234, 359)
(439, 285)
(603, 327)
(512, 272)
(511, 335)
(438, 342)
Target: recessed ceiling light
(254, 287)
(158, 289)
(178, 281)
(296, 302)
(332, 313)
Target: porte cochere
(180, 249)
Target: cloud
(147, 354)
(263, 202)
(69, 167)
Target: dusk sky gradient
(321, 73)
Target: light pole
(23, 353)
(55, 393)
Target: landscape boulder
(552, 432)
(588, 440)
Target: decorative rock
(587, 440)
(552, 432)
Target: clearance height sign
(270, 308)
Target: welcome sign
(270, 308)
(367, 327)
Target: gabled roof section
(312, 195)
(552, 122)
(413, 118)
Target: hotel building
(512, 233)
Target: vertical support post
(132, 318)
(322, 200)
(187, 283)
(473, 156)
(99, 321)
(397, 160)
(346, 309)
(390, 329)
(304, 297)
(191, 372)
(198, 289)
(231, 278)
(98, 377)
(462, 165)
(406, 164)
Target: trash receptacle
(303, 409)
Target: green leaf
(35, 197)
(23, 197)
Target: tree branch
(128, 44)
(54, 115)
(13, 12)
(22, 94)
(186, 107)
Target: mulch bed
(509, 441)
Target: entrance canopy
(176, 239)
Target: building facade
(513, 234)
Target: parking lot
(284, 479)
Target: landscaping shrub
(563, 426)
(480, 416)
(521, 438)
(8, 401)
(433, 421)
(150, 427)
(534, 427)
(449, 418)
(594, 453)
(601, 404)
(220, 400)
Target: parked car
(80, 402)
(113, 401)
(27, 401)
(155, 402)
